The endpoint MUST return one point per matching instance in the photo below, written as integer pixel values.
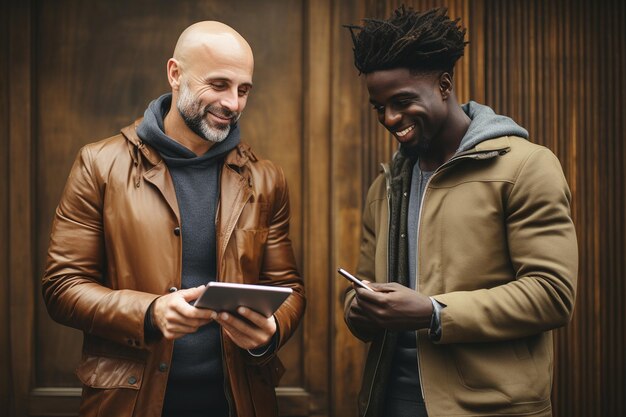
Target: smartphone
(353, 279)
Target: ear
(173, 73)
(445, 85)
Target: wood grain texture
(5, 360)
(346, 196)
(317, 267)
(21, 206)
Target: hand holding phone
(353, 279)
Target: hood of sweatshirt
(486, 124)
(151, 131)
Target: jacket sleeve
(279, 266)
(73, 285)
(367, 255)
(543, 253)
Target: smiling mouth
(220, 117)
(403, 132)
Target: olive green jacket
(497, 247)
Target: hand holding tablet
(226, 296)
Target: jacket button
(162, 367)
(173, 289)
(177, 231)
(129, 341)
(132, 380)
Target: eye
(219, 85)
(405, 102)
(243, 92)
(378, 108)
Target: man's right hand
(359, 321)
(175, 317)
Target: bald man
(151, 215)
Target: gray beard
(195, 118)
(200, 127)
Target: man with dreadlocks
(468, 240)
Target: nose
(391, 117)
(230, 100)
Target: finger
(185, 322)
(370, 310)
(258, 335)
(191, 294)
(236, 323)
(169, 335)
(386, 286)
(171, 330)
(258, 319)
(372, 297)
(182, 307)
(239, 339)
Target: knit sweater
(196, 380)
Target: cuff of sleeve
(435, 330)
(150, 331)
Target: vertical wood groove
(21, 259)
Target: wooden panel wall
(554, 66)
(557, 68)
(5, 392)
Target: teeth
(405, 131)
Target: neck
(448, 140)
(176, 129)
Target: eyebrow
(227, 80)
(399, 95)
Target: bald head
(212, 37)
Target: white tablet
(225, 296)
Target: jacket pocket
(110, 385)
(506, 369)
(250, 245)
(255, 216)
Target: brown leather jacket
(115, 247)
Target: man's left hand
(253, 332)
(395, 307)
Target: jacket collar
(236, 158)
(502, 143)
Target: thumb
(191, 294)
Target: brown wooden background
(72, 72)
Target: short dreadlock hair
(427, 41)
